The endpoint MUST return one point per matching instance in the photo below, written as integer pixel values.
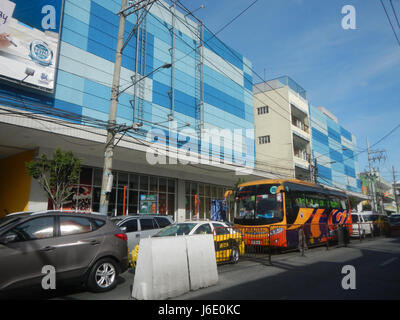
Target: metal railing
(262, 242)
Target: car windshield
(354, 218)
(259, 204)
(178, 229)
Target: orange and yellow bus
(281, 212)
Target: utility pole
(313, 168)
(112, 127)
(374, 155)
(395, 190)
(109, 148)
(372, 183)
(315, 171)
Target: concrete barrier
(202, 263)
(171, 266)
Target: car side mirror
(123, 229)
(7, 238)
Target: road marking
(388, 261)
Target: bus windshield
(259, 204)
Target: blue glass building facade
(86, 61)
(208, 87)
(335, 149)
(88, 44)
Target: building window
(262, 110)
(199, 197)
(264, 139)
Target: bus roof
(296, 185)
(275, 181)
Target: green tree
(57, 175)
(353, 202)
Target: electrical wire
(213, 35)
(395, 15)
(388, 18)
(221, 71)
(182, 40)
(232, 21)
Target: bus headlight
(276, 231)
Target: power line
(395, 15)
(214, 35)
(236, 17)
(388, 18)
(231, 22)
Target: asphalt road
(316, 275)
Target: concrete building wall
(277, 155)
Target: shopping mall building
(178, 81)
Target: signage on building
(148, 204)
(29, 41)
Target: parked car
(362, 224)
(228, 242)
(85, 247)
(141, 226)
(394, 225)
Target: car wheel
(235, 254)
(103, 275)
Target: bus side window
(312, 200)
(299, 200)
(334, 203)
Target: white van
(362, 223)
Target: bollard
(340, 235)
(346, 235)
(327, 237)
(301, 240)
(269, 246)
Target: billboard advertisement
(29, 38)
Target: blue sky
(353, 73)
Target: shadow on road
(323, 279)
(63, 290)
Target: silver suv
(81, 246)
(141, 226)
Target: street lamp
(191, 13)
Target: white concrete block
(168, 267)
(162, 269)
(143, 281)
(202, 263)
